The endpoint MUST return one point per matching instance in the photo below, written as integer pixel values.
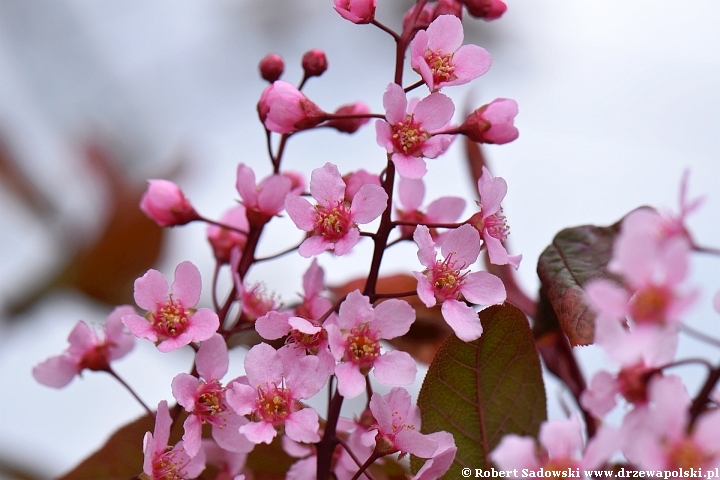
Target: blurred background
(617, 98)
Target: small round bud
(485, 9)
(314, 63)
(271, 67)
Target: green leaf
(482, 390)
(576, 256)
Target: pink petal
(356, 309)
(496, 251)
(599, 397)
(393, 318)
(151, 290)
(259, 432)
(241, 398)
(313, 280)
(263, 365)
(368, 204)
(271, 197)
(327, 185)
(302, 426)
(163, 422)
(192, 438)
(470, 62)
(408, 166)
(418, 47)
(382, 412)
(347, 242)
(246, 186)
(515, 451)
(561, 438)
(441, 460)
(121, 343)
(56, 372)
(351, 382)
(445, 33)
(492, 192)
(425, 290)
(305, 378)
(462, 319)
(414, 442)
(434, 111)
(187, 285)
(395, 368)
(212, 358)
(203, 325)
(445, 209)
(383, 135)
(336, 341)
(436, 145)
(483, 288)
(463, 244)
(314, 245)
(411, 192)
(600, 448)
(303, 326)
(301, 212)
(608, 298)
(184, 389)
(426, 247)
(173, 343)
(140, 327)
(395, 103)
(272, 325)
(228, 437)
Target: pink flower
(171, 321)
(264, 200)
(275, 386)
(284, 109)
(492, 123)
(332, 223)
(223, 240)
(443, 280)
(485, 9)
(349, 125)
(437, 55)
(205, 401)
(87, 350)
(355, 180)
(561, 448)
(423, 20)
(441, 460)
(413, 131)
(398, 425)
(161, 462)
(442, 210)
(166, 204)
(490, 221)
(357, 11)
(355, 341)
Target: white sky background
(616, 99)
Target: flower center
(632, 383)
(210, 402)
(274, 404)
(446, 279)
(560, 464)
(495, 224)
(97, 358)
(649, 305)
(408, 136)
(362, 347)
(332, 223)
(171, 319)
(687, 454)
(256, 302)
(309, 341)
(442, 66)
(164, 468)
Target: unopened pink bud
(485, 9)
(492, 123)
(272, 67)
(357, 11)
(166, 204)
(350, 125)
(423, 20)
(284, 109)
(448, 7)
(314, 63)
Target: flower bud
(166, 204)
(271, 67)
(284, 109)
(357, 11)
(448, 7)
(349, 125)
(485, 9)
(314, 63)
(423, 20)
(492, 123)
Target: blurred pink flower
(263, 200)
(165, 203)
(357, 11)
(411, 194)
(223, 240)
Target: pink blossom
(314, 63)
(490, 221)
(398, 425)
(492, 123)
(161, 462)
(332, 223)
(413, 131)
(255, 302)
(171, 321)
(271, 397)
(485, 9)
(437, 55)
(223, 240)
(166, 204)
(441, 460)
(442, 210)
(204, 399)
(87, 350)
(444, 280)
(284, 109)
(355, 341)
(355, 180)
(271, 67)
(423, 19)
(349, 125)
(263, 200)
(357, 11)
(561, 448)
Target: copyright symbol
(466, 472)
